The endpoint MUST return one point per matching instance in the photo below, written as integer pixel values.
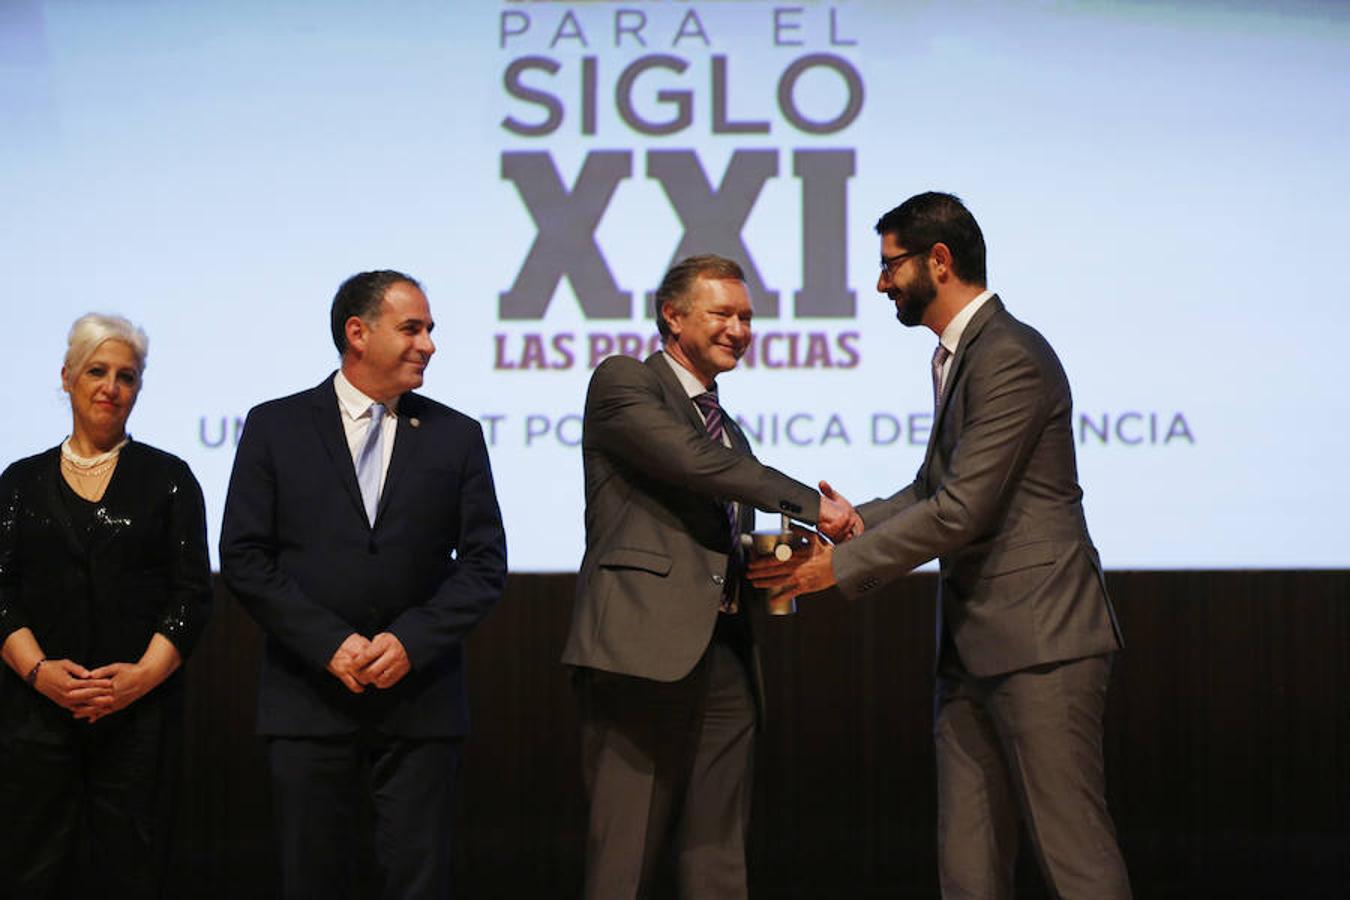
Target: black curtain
(1227, 746)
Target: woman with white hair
(104, 589)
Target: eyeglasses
(888, 263)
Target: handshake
(812, 568)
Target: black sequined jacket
(99, 598)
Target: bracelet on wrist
(31, 677)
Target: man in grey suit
(665, 674)
(1026, 631)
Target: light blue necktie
(371, 460)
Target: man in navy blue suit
(362, 532)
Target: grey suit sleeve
(627, 417)
(1008, 393)
(874, 512)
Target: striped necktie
(712, 415)
(714, 422)
(939, 357)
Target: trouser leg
(710, 845)
(1049, 721)
(413, 789)
(40, 796)
(977, 815)
(635, 756)
(131, 761)
(316, 784)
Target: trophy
(780, 545)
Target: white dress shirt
(355, 410)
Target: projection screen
(1162, 185)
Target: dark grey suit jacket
(656, 529)
(997, 501)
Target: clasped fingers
(386, 661)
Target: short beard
(916, 298)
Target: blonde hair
(93, 330)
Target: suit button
(372, 547)
(719, 579)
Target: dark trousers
(343, 799)
(668, 774)
(1025, 744)
(85, 809)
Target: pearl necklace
(89, 466)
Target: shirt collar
(951, 335)
(688, 380)
(352, 401)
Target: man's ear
(668, 313)
(356, 333)
(940, 258)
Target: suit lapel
(684, 406)
(405, 447)
(968, 337)
(675, 395)
(328, 424)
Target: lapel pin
(415, 422)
